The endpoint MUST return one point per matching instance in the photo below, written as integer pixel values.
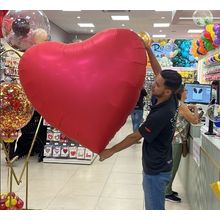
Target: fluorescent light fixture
(160, 31)
(161, 24)
(195, 31)
(78, 17)
(162, 17)
(86, 25)
(191, 18)
(120, 17)
(91, 30)
(185, 18)
(72, 10)
(159, 35)
(123, 25)
(162, 10)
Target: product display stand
(60, 149)
(25, 168)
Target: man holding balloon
(157, 131)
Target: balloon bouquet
(184, 57)
(21, 30)
(210, 38)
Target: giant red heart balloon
(2, 14)
(87, 89)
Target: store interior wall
(80, 36)
(57, 34)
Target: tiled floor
(114, 184)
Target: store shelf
(207, 73)
(69, 160)
(60, 149)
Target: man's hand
(105, 154)
(192, 108)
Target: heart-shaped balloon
(87, 89)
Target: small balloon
(2, 14)
(213, 113)
(21, 27)
(16, 110)
(217, 41)
(171, 49)
(25, 28)
(217, 57)
(202, 18)
(40, 35)
(145, 37)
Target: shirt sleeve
(153, 125)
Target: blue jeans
(154, 190)
(137, 118)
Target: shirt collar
(162, 103)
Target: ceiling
(140, 20)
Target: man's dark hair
(173, 79)
(196, 82)
(215, 83)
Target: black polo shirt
(158, 131)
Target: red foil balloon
(86, 89)
(2, 14)
(15, 110)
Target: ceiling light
(91, 30)
(162, 17)
(78, 17)
(120, 18)
(162, 10)
(191, 18)
(195, 31)
(161, 24)
(71, 10)
(86, 25)
(185, 18)
(160, 31)
(123, 25)
(159, 35)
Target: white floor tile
(119, 204)
(122, 191)
(70, 202)
(89, 175)
(114, 184)
(125, 178)
(81, 188)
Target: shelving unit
(60, 149)
(187, 73)
(149, 79)
(209, 72)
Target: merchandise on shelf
(213, 59)
(187, 76)
(61, 149)
(149, 78)
(210, 66)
